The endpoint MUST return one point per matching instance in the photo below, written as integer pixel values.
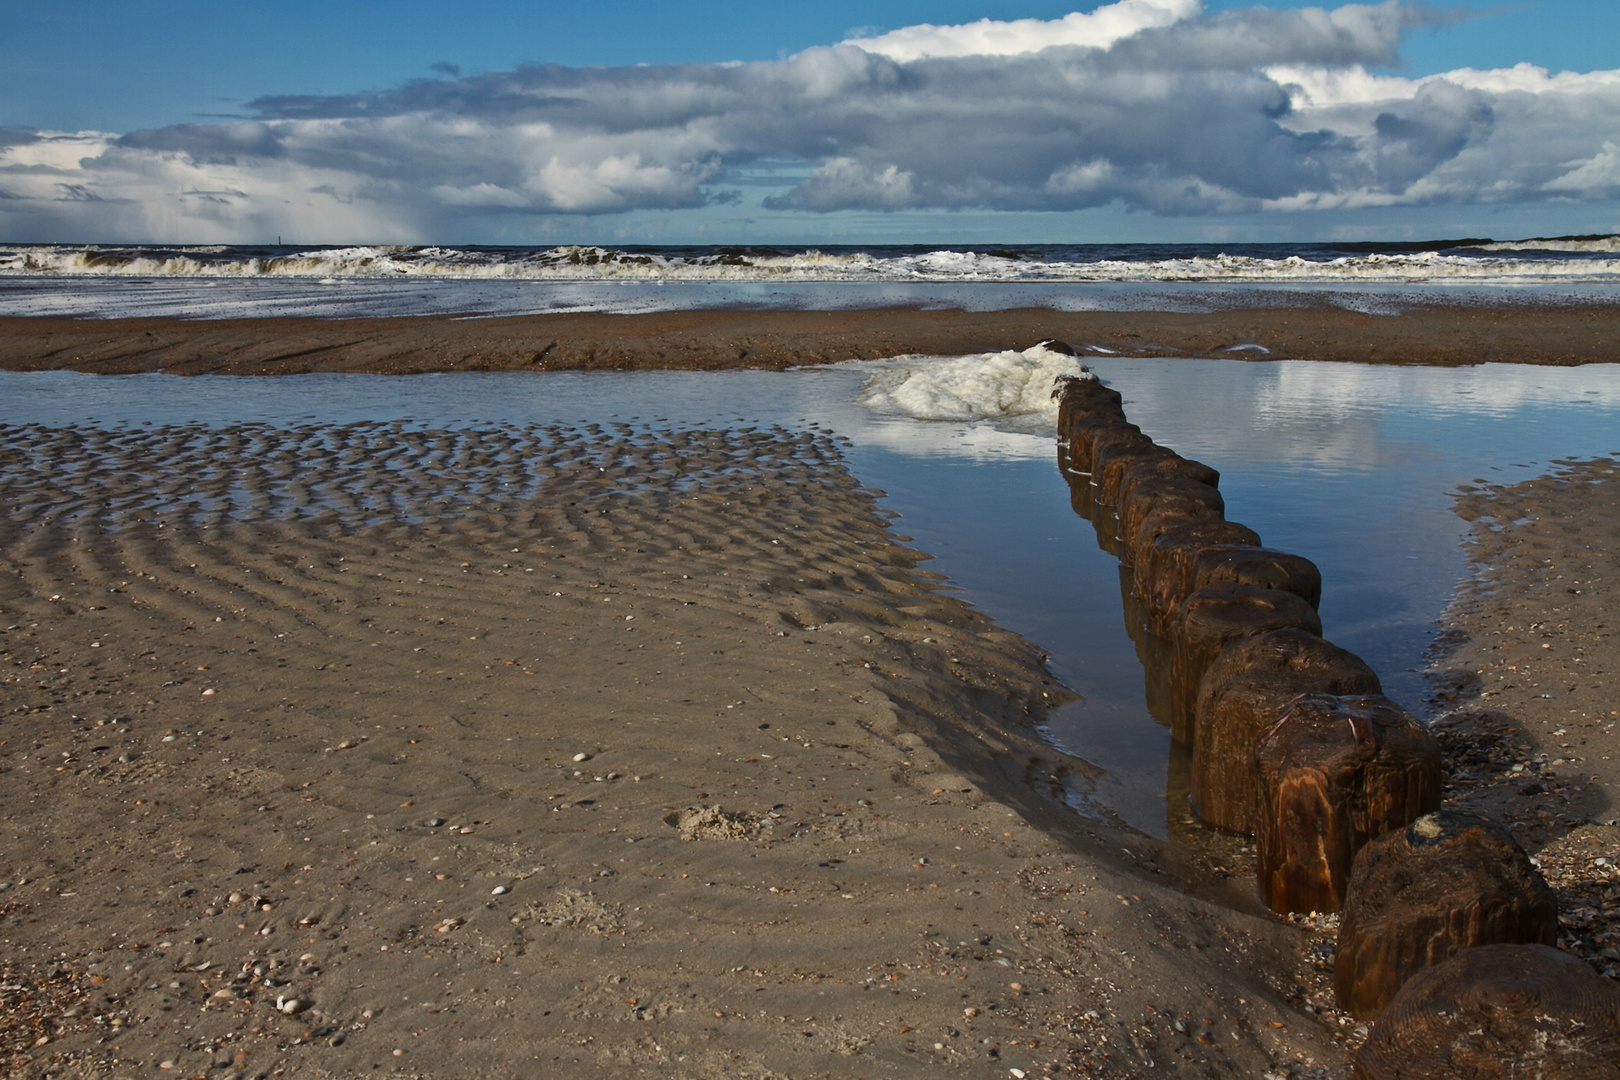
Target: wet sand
(371, 751)
(1527, 680)
(717, 339)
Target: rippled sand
(552, 751)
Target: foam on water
(1522, 262)
(1011, 388)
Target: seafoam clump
(998, 386)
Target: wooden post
(1498, 1011)
(1207, 621)
(1265, 567)
(1241, 564)
(1083, 434)
(1086, 397)
(1159, 501)
(1173, 465)
(1244, 692)
(1118, 443)
(1108, 474)
(1334, 773)
(1420, 895)
(1167, 558)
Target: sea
(233, 281)
(1353, 466)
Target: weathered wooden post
(1498, 1011)
(1167, 558)
(1420, 895)
(1208, 620)
(1334, 773)
(1156, 506)
(1085, 397)
(1240, 564)
(1084, 431)
(1118, 444)
(1244, 692)
(1151, 467)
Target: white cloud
(1599, 173)
(1148, 105)
(1095, 30)
(843, 181)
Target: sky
(718, 121)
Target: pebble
(292, 1006)
(582, 756)
(434, 822)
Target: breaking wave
(1528, 262)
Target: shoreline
(1441, 335)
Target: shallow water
(1348, 465)
(354, 298)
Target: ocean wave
(1492, 263)
(1573, 245)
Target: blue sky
(201, 74)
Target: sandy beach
(1458, 334)
(363, 751)
(1526, 677)
(372, 750)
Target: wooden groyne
(1292, 741)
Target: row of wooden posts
(1293, 742)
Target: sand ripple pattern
(364, 475)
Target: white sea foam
(1496, 265)
(1013, 388)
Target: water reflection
(1348, 465)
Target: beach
(1420, 332)
(1525, 683)
(683, 768)
(800, 542)
(371, 749)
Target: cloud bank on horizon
(1144, 105)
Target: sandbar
(1441, 334)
